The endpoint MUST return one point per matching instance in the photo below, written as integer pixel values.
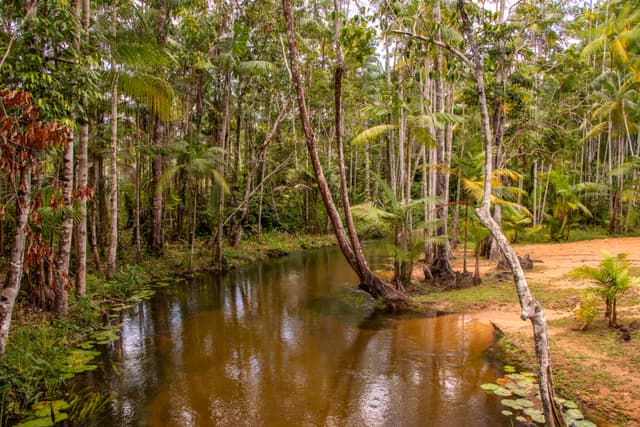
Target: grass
(490, 292)
(577, 234)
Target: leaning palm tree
(612, 279)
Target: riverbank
(45, 351)
(594, 367)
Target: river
(288, 342)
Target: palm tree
(567, 203)
(398, 215)
(612, 279)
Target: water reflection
(284, 343)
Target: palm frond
(152, 91)
(593, 47)
(255, 68)
(370, 213)
(371, 134)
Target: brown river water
(289, 342)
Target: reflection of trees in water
(246, 348)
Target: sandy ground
(552, 263)
(617, 397)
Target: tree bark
(156, 177)
(62, 282)
(531, 308)
(83, 173)
(368, 281)
(14, 274)
(113, 160)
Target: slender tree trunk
(157, 237)
(223, 133)
(391, 161)
(138, 185)
(113, 160)
(369, 282)
(531, 308)
(156, 177)
(442, 250)
(14, 273)
(83, 174)
(192, 234)
(63, 256)
(339, 75)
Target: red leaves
(85, 192)
(22, 135)
(23, 138)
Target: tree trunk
(157, 238)
(113, 161)
(62, 282)
(442, 250)
(368, 281)
(531, 309)
(14, 274)
(83, 175)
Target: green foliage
(126, 283)
(612, 279)
(371, 134)
(586, 310)
(30, 369)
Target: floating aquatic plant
(525, 403)
(46, 414)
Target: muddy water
(288, 343)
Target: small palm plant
(612, 279)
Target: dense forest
(128, 126)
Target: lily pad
(42, 414)
(142, 295)
(522, 419)
(560, 400)
(43, 422)
(501, 391)
(576, 414)
(489, 386)
(78, 361)
(507, 413)
(522, 392)
(161, 284)
(43, 409)
(570, 405)
(106, 336)
(524, 403)
(535, 414)
(511, 385)
(584, 423)
(511, 403)
(509, 369)
(516, 377)
(526, 384)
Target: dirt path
(553, 262)
(606, 370)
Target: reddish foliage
(23, 137)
